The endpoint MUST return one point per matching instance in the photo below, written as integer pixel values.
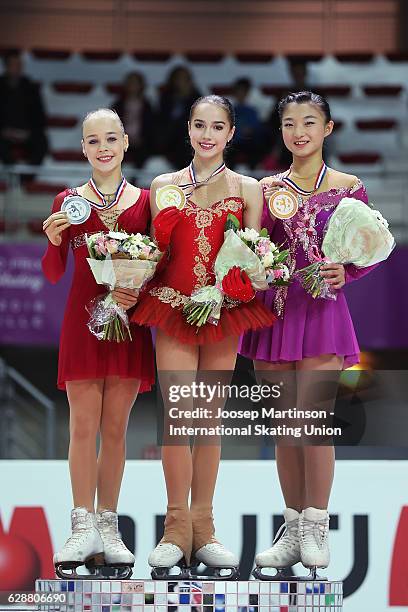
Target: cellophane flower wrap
(355, 234)
(251, 251)
(119, 261)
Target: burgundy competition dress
(195, 242)
(306, 327)
(81, 355)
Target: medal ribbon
(99, 194)
(319, 179)
(194, 183)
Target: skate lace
(76, 538)
(317, 529)
(110, 534)
(289, 533)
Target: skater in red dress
(102, 378)
(193, 236)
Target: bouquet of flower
(356, 234)
(118, 260)
(251, 251)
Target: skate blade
(118, 571)
(69, 572)
(313, 576)
(213, 573)
(165, 573)
(279, 576)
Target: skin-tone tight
(305, 472)
(101, 405)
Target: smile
(207, 146)
(105, 158)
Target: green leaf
(232, 223)
(264, 233)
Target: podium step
(191, 596)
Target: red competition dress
(195, 242)
(81, 355)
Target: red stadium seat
(68, 155)
(42, 187)
(204, 57)
(363, 157)
(367, 125)
(304, 57)
(72, 87)
(3, 187)
(50, 54)
(152, 56)
(221, 90)
(338, 125)
(397, 56)
(254, 58)
(57, 121)
(101, 56)
(383, 90)
(114, 88)
(355, 58)
(11, 226)
(333, 91)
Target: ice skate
(284, 552)
(221, 564)
(118, 559)
(314, 540)
(174, 549)
(83, 548)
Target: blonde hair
(100, 112)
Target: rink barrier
(194, 596)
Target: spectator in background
(279, 157)
(247, 146)
(137, 115)
(176, 98)
(22, 116)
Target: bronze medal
(283, 204)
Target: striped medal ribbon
(194, 183)
(99, 194)
(319, 179)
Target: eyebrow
(202, 121)
(307, 117)
(96, 135)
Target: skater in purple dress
(311, 333)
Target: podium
(191, 596)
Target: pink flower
(278, 273)
(112, 246)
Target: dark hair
(218, 101)
(302, 97)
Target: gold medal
(170, 195)
(283, 204)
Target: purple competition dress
(306, 327)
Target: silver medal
(77, 209)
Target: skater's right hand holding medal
(271, 187)
(54, 225)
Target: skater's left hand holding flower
(334, 274)
(127, 298)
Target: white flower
(268, 260)
(118, 235)
(249, 234)
(380, 218)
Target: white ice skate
(83, 547)
(285, 550)
(163, 558)
(314, 539)
(117, 557)
(216, 558)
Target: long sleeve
(353, 273)
(55, 259)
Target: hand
(272, 186)
(164, 223)
(334, 275)
(237, 286)
(54, 225)
(125, 297)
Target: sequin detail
(168, 295)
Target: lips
(207, 146)
(301, 143)
(105, 159)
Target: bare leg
(118, 398)
(85, 400)
(289, 459)
(318, 460)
